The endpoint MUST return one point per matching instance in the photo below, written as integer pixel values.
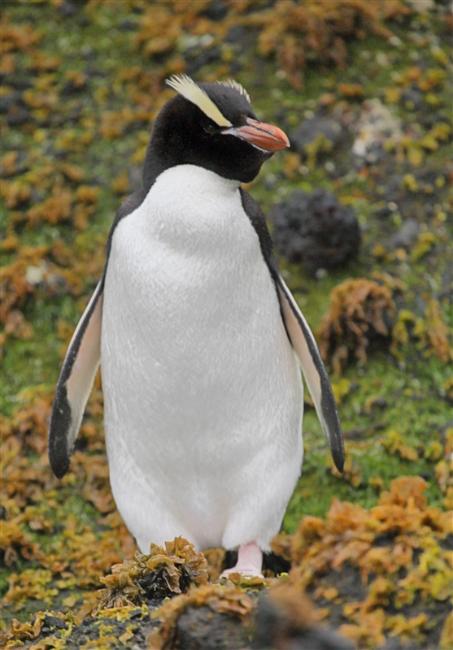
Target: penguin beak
(265, 137)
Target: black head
(211, 126)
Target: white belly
(203, 397)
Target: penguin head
(212, 125)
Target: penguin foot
(249, 562)
(246, 572)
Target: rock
(316, 230)
(128, 25)
(52, 622)
(10, 101)
(67, 9)
(413, 98)
(406, 236)
(199, 628)
(216, 10)
(284, 624)
(237, 34)
(376, 125)
(315, 127)
(197, 57)
(17, 115)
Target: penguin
(199, 340)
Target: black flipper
(314, 372)
(74, 384)
(301, 339)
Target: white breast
(202, 391)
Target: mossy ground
(78, 91)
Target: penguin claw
(249, 562)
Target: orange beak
(266, 137)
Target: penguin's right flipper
(74, 384)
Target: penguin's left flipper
(74, 384)
(313, 369)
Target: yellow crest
(231, 83)
(186, 87)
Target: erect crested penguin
(199, 339)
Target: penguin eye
(210, 128)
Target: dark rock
(216, 10)
(262, 5)
(383, 213)
(197, 57)
(398, 644)
(199, 628)
(314, 127)
(68, 9)
(91, 630)
(10, 102)
(235, 67)
(394, 644)
(349, 583)
(413, 98)
(316, 230)
(275, 630)
(128, 25)
(20, 83)
(447, 543)
(237, 34)
(70, 88)
(53, 623)
(17, 115)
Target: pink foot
(249, 562)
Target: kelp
(300, 33)
(429, 332)
(165, 571)
(295, 34)
(15, 543)
(361, 312)
(16, 287)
